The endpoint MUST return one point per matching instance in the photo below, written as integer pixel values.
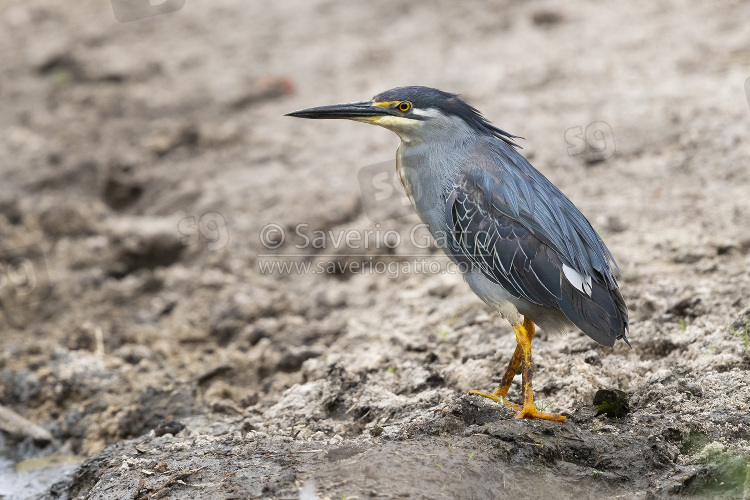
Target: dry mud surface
(143, 163)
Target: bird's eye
(404, 106)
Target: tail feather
(602, 316)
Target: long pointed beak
(350, 110)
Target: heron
(522, 246)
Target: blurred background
(147, 174)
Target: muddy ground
(147, 172)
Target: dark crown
(449, 104)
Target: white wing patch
(578, 280)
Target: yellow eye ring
(404, 106)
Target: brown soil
(143, 163)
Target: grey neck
(430, 169)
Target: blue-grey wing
(495, 225)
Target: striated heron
(525, 249)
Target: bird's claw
(497, 399)
(529, 412)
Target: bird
(521, 245)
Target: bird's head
(414, 113)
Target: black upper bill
(361, 109)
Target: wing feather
(519, 230)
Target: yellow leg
(510, 372)
(521, 357)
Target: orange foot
(529, 412)
(497, 399)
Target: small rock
(123, 186)
(376, 431)
(686, 307)
(66, 219)
(546, 18)
(144, 243)
(16, 425)
(441, 290)
(133, 353)
(247, 425)
(318, 436)
(611, 402)
(431, 357)
(168, 427)
(592, 358)
(335, 440)
(10, 210)
(291, 360)
(251, 334)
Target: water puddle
(27, 471)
